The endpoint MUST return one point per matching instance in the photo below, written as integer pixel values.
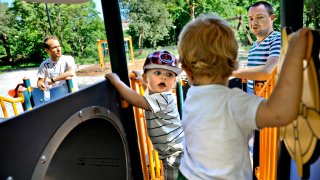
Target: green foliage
(24, 25)
(312, 14)
(77, 27)
(6, 21)
(150, 22)
(88, 60)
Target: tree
(312, 13)
(77, 26)
(150, 21)
(6, 20)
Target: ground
(96, 70)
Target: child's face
(159, 80)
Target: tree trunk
(192, 10)
(316, 16)
(6, 60)
(140, 41)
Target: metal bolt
(43, 159)
(9, 178)
(108, 111)
(80, 113)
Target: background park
(152, 24)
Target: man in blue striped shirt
(265, 51)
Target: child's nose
(163, 76)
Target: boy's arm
(283, 105)
(127, 93)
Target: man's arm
(69, 73)
(127, 93)
(66, 75)
(41, 75)
(258, 73)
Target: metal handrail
(269, 137)
(151, 164)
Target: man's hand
(40, 84)
(42, 87)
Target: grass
(89, 60)
(16, 67)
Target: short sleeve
(244, 108)
(41, 70)
(70, 62)
(160, 102)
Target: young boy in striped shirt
(161, 112)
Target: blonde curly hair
(208, 47)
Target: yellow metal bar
(15, 110)
(4, 109)
(155, 169)
(131, 49)
(268, 138)
(151, 162)
(13, 102)
(157, 163)
(100, 52)
(140, 130)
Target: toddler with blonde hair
(218, 121)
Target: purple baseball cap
(161, 60)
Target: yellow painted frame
(100, 50)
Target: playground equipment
(104, 51)
(301, 137)
(89, 126)
(151, 164)
(31, 97)
(13, 102)
(88, 134)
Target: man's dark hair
(45, 44)
(265, 4)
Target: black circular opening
(92, 150)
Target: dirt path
(96, 70)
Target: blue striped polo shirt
(260, 52)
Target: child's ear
(144, 78)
